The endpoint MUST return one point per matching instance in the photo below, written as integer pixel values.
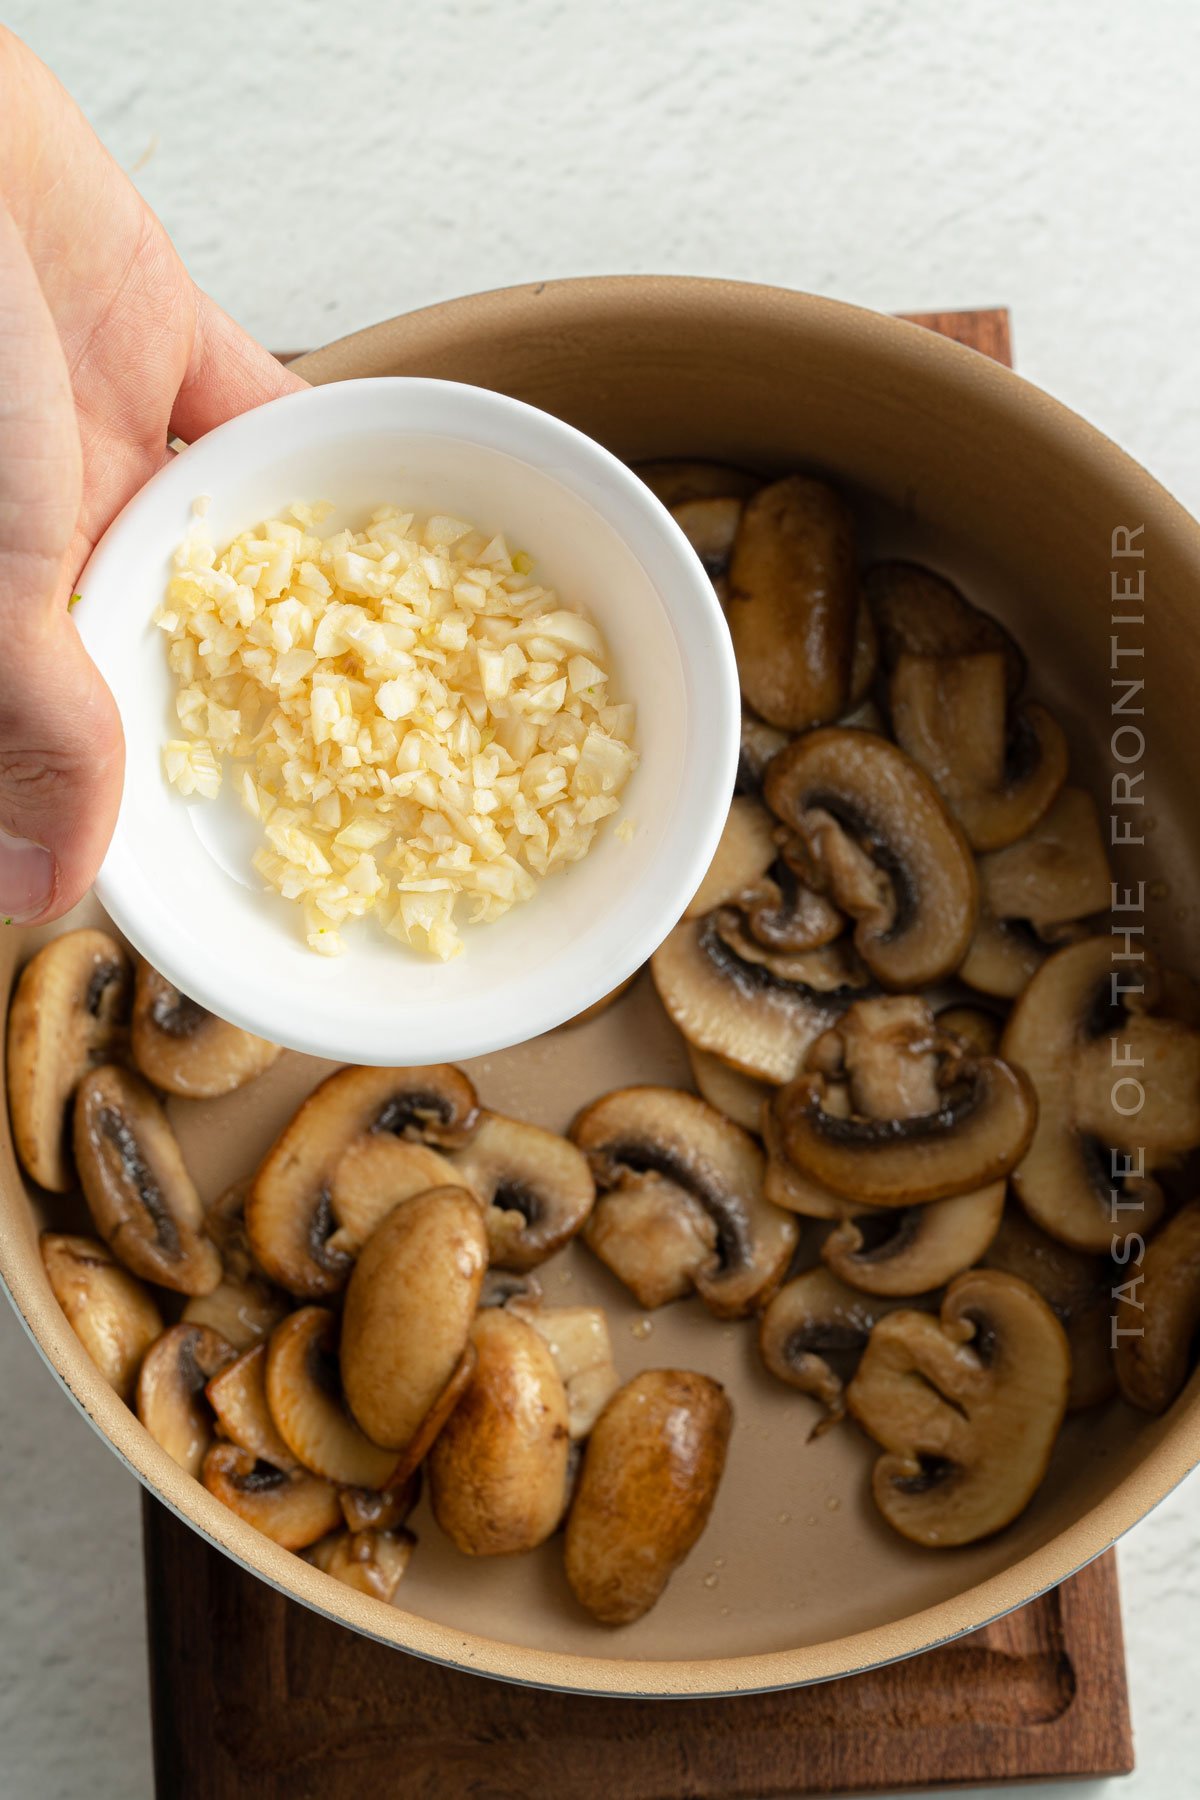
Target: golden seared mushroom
(976, 1029)
(406, 1351)
(375, 1174)
(304, 1395)
(1118, 1090)
(1157, 1319)
(883, 847)
(998, 772)
(289, 1210)
(238, 1396)
(380, 1509)
(498, 1467)
(649, 1479)
(139, 1193)
(740, 1010)
(918, 1247)
(738, 1096)
(68, 1010)
(372, 1561)
(922, 614)
(745, 853)
(535, 1186)
(181, 1047)
(671, 1170)
(244, 1306)
(1079, 1290)
(110, 1312)
(793, 603)
(578, 1339)
(601, 1006)
(677, 480)
(812, 1334)
(710, 526)
(171, 1401)
(966, 1407)
(760, 742)
(292, 1508)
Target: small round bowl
(178, 878)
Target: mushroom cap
(812, 1333)
(967, 1407)
(181, 1047)
(1155, 1329)
(171, 1401)
(139, 1193)
(307, 1408)
(377, 1172)
(647, 1486)
(498, 1468)
(888, 807)
(740, 1097)
(373, 1561)
(536, 1188)
(918, 1247)
(922, 613)
(293, 1508)
(700, 1159)
(67, 1013)
(114, 1317)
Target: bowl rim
(1168, 1460)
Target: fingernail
(26, 879)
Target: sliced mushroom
(918, 1247)
(1057, 873)
(380, 1509)
(885, 1051)
(1002, 957)
(923, 614)
(1077, 1288)
(784, 1185)
(374, 1562)
(976, 1029)
(293, 1508)
(865, 662)
(140, 1195)
(244, 1306)
(304, 1395)
(601, 1006)
(238, 1396)
(825, 968)
(536, 1188)
(738, 1096)
(699, 1159)
(289, 1212)
(812, 1334)
(407, 1319)
(108, 1309)
(966, 1406)
(503, 1287)
(793, 602)
(170, 1391)
(676, 481)
(655, 1237)
(67, 1013)
(915, 900)
(578, 1339)
(181, 1047)
(498, 1470)
(760, 742)
(1118, 1091)
(647, 1486)
(375, 1174)
(710, 526)
(866, 717)
(1157, 1319)
(745, 853)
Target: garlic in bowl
(631, 658)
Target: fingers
(227, 374)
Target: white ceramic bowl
(178, 880)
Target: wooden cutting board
(254, 1696)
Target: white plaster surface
(323, 166)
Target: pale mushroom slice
(1079, 1290)
(372, 1561)
(1118, 1091)
(922, 613)
(917, 1248)
(656, 1237)
(742, 858)
(977, 1029)
(181, 1047)
(68, 1012)
(1002, 958)
(237, 1394)
(291, 1507)
(142, 1200)
(244, 1306)
(171, 1400)
(580, 1343)
(812, 1334)
(114, 1317)
(822, 966)
(704, 1167)
(793, 602)
(676, 481)
(1057, 873)
(710, 527)
(740, 1097)
(883, 847)
(304, 1396)
(646, 1488)
(966, 1406)
(760, 742)
(1154, 1332)
(998, 771)
(289, 1210)
(535, 1187)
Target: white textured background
(321, 166)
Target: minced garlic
(409, 714)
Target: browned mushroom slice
(139, 1193)
(649, 1479)
(601, 1006)
(864, 663)
(238, 1396)
(375, 1174)
(407, 1319)
(536, 1188)
(107, 1308)
(578, 1339)
(917, 1248)
(374, 1562)
(67, 1012)
(700, 1159)
(976, 1029)
(745, 853)
(812, 1334)
(1002, 957)
(503, 1287)
(304, 1395)
(181, 1047)
(847, 792)
(289, 1209)
(923, 614)
(966, 1406)
(738, 1096)
(784, 1185)
(170, 1391)
(1118, 1091)
(676, 481)
(498, 1470)
(655, 1237)
(1077, 1288)
(760, 742)
(244, 1306)
(825, 968)
(1057, 873)
(793, 603)
(1158, 1317)
(292, 1508)
(379, 1509)
(710, 526)
(886, 1051)
(866, 717)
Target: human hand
(107, 348)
